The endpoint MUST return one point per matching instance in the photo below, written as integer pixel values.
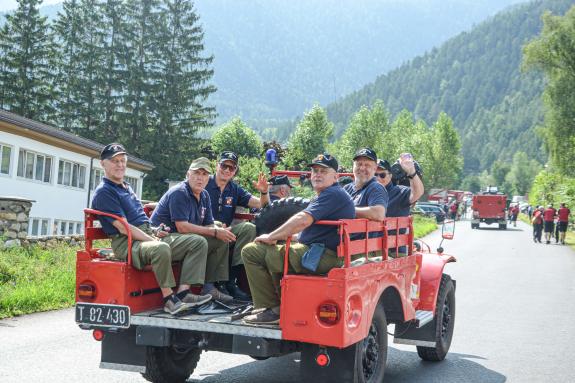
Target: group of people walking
(552, 221)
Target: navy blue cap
(228, 156)
(280, 180)
(367, 153)
(112, 150)
(325, 160)
(383, 164)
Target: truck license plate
(100, 315)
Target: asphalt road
(515, 322)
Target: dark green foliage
(239, 138)
(476, 79)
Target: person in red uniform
(514, 213)
(548, 216)
(537, 221)
(563, 214)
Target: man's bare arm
(137, 234)
(374, 213)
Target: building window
(63, 227)
(5, 157)
(71, 174)
(133, 181)
(38, 227)
(97, 175)
(34, 166)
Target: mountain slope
(475, 78)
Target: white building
(57, 169)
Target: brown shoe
(268, 316)
(196, 300)
(219, 296)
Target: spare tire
(278, 212)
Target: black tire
(170, 364)
(502, 227)
(371, 353)
(278, 212)
(444, 322)
(259, 357)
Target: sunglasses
(231, 168)
(382, 175)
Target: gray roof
(39, 127)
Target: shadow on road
(402, 366)
(498, 229)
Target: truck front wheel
(444, 322)
(170, 364)
(371, 352)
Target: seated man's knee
(251, 250)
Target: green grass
(33, 279)
(423, 225)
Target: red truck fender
(432, 266)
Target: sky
(6, 5)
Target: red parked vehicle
(489, 207)
(337, 321)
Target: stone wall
(14, 213)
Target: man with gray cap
(115, 196)
(186, 210)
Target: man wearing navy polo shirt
(369, 196)
(225, 195)
(115, 196)
(263, 258)
(187, 210)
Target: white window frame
(40, 221)
(100, 175)
(133, 184)
(27, 152)
(79, 179)
(61, 228)
(10, 159)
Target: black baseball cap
(383, 164)
(112, 150)
(280, 180)
(367, 153)
(228, 156)
(325, 160)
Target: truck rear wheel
(371, 352)
(444, 322)
(502, 226)
(170, 364)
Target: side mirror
(448, 229)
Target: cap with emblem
(228, 156)
(325, 160)
(280, 180)
(367, 153)
(201, 163)
(383, 164)
(112, 150)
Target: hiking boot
(196, 300)
(219, 296)
(268, 316)
(175, 305)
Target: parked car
(430, 210)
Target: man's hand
(225, 234)
(406, 162)
(162, 231)
(265, 238)
(262, 185)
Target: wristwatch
(411, 176)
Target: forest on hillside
(476, 79)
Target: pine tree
(27, 58)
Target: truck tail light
(322, 359)
(98, 335)
(87, 291)
(328, 313)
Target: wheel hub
(446, 318)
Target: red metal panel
(431, 272)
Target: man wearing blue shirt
(369, 197)
(263, 258)
(186, 209)
(225, 195)
(280, 187)
(115, 196)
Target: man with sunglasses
(263, 258)
(225, 195)
(400, 197)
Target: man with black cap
(263, 258)
(369, 197)
(113, 195)
(186, 210)
(400, 197)
(280, 187)
(225, 195)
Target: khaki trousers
(245, 233)
(264, 268)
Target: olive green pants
(264, 266)
(191, 249)
(245, 233)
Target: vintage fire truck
(338, 321)
(489, 207)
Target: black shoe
(221, 286)
(237, 293)
(548, 242)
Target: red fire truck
(489, 207)
(337, 321)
